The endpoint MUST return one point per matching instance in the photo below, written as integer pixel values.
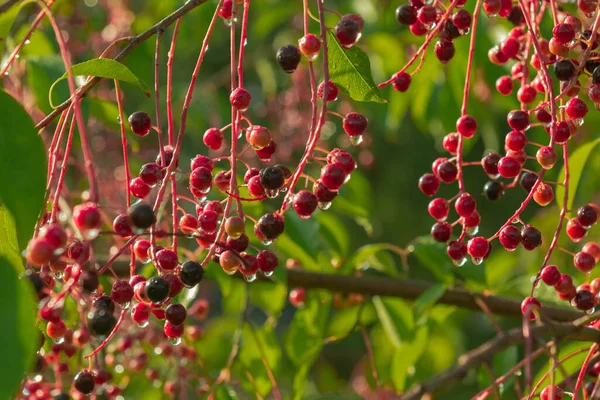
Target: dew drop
(304, 217)
(477, 260)
(356, 140)
(324, 205)
(17, 56)
(464, 31)
(348, 46)
(283, 189)
(576, 240)
(125, 306)
(143, 324)
(91, 234)
(250, 278)
(242, 110)
(240, 135)
(268, 273)
(266, 242)
(27, 41)
(578, 121)
(59, 340)
(175, 341)
(518, 372)
(590, 15)
(227, 22)
(358, 36)
(460, 263)
(245, 42)
(591, 310)
(313, 57)
(265, 160)
(511, 249)
(347, 178)
(272, 193)
(472, 231)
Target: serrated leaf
(22, 168)
(6, 22)
(18, 337)
(104, 68)
(577, 161)
(350, 70)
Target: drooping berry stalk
(63, 171)
(583, 370)
(109, 337)
(55, 147)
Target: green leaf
(344, 320)
(9, 247)
(215, 345)
(366, 256)
(427, 299)
(41, 73)
(18, 337)
(269, 296)
(105, 68)
(22, 168)
(6, 22)
(258, 345)
(577, 162)
(406, 356)
(334, 231)
(233, 290)
(395, 317)
(350, 70)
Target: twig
(135, 42)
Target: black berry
(564, 70)
(493, 190)
(271, 226)
(191, 273)
(140, 123)
(288, 58)
(101, 322)
(142, 215)
(157, 289)
(84, 382)
(272, 178)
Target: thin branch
(411, 289)
(135, 42)
(482, 353)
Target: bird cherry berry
(478, 247)
(441, 231)
(515, 141)
(56, 329)
(584, 300)
(576, 108)
(429, 184)
(267, 261)
(531, 237)
(518, 120)
(438, 208)
(490, 163)
(444, 50)
(151, 174)
(509, 167)
(141, 249)
(450, 143)
(593, 249)
(240, 244)
(202, 161)
(122, 226)
(191, 273)
(510, 237)
(138, 188)
(87, 216)
(140, 313)
(305, 203)
(546, 157)
(504, 85)
(54, 235)
(84, 382)
(39, 251)
(493, 190)
(288, 58)
(401, 81)
(584, 262)
(564, 284)
(258, 137)
(564, 70)
(332, 91)
(167, 259)
(462, 20)
(140, 123)
(201, 179)
(465, 205)
(406, 15)
(466, 126)
(587, 215)
(271, 226)
(530, 306)
(343, 159)
(226, 10)
(213, 138)
(188, 224)
(347, 31)
(173, 331)
(249, 266)
(447, 171)
(235, 226)
(557, 392)
(176, 313)
(526, 94)
(255, 187)
(122, 292)
(355, 124)
(310, 45)
(550, 275)
(457, 250)
(297, 297)
(332, 177)
(543, 194)
(142, 215)
(157, 289)
(240, 99)
(208, 221)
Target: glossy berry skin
(406, 15)
(122, 226)
(504, 85)
(347, 31)
(543, 194)
(208, 221)
(564, 70)
(465, 205)
(587, 215)
(584, 300)
(288, 58)
(101, 322)
(343, 159)
(201, 179)
(310, 45)
(462, 20)
(575, 230)
(515, 141)
(332, 91)
(593, 249)
(213, 138)
(138, 188)
(550, 275)
(121, 292)
(527, 181)
(235, 226)
(239, 244)
(323, 194)
(478, 247)
(258, 137)
(584, 262)
(444, 50)
(202, 161)
(272, 178)
(87, 216)
(429, 184)
(531, 237)
(576, 108)
(546, 157)
(401, 81)
(255, 187)
(564, 284)
(271, 225)
(438, 209)
(529, 306)
(151, 174)
(333, 177)
(557, 392)
(355, 124)
(54, 235)
(167, 259)
(305, 203)
(249, 265)
(84, 382)
(518, 120)
(457, 250)
(510, 237)
(142, 215)
(509, 167)
(157, 289)
(490, 163)
(493, 190)
(561, 133)
(191, 273)
(39, 251)
(441, 231)
(141, 249)
(267, 261)
(176, 314)
(140, 123)
(188, 224)
(226, 10)
(447, 172)
(450, 143)
(173, 331)
(240, 99)
(297, 297)
(466, 126)
(140, 313)
(56, 330)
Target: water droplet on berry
(283, 189)
(17, 56)
(477, 260)
(304, 217)
(59, 340)
(356, 140)
(250, 278)
(464, 31)
(473, 231)
(272, 193)
(59, 251)
(324, 205)
(27, 41)
(232, 272)
(266, 242)
(347, 178)
(91, 234)
(143, 324)
(125, 306)
(58, 275)
(461, 262)
(175, 341)
(227, 22)
(578, 121)
(265, 160)
(240, 135)
(312, 57)
(590, 15)
(268, 273)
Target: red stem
(110, 336)
(63, 171)
(583, 370)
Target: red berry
(447, 172)
(429, 184)
(510, 47)
(310, 45)
(509, 167)
(332, 91)
(333, 177)
(457, 250)
(141, 249)
(297, 297)
(173, 331)
(208, 221)
(584, 262)
(201, 179)
(546, 157)
(401, 81)
(213, 138)
(529, 306)
(593, 249)
(427, 15)
(87, 216)
(515, 140)
(201, 161)
(510, 237)
(355, 124)
(504, 85)
(305, 203)
(267, 261)
(151, 174)
(343, 159)
(438, 209)
(576, 108)
(490, 163)
(249, 267)
(122, 225)
(543, 116)
(450, 143)
(561, 133)
(138, 188)
(188, 224)
(347, 31)
(418, 29)
(526, 94)
(444, 50)
(465, 205)
(56, 329)
(176, 314)
(587, 215)
(564, 284)
(255, 187)
(258, 137)
(478, 247)
(226, 10)
(140, 123)
(563, 33)
(167, 259)
(462, 20)
(595, 286)
(39, 251)
(54, 235)
(518, 120)
(441, 231)
(140, 313)
(122, 292)
(550, 275)
(543, 194)
(240, 99)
